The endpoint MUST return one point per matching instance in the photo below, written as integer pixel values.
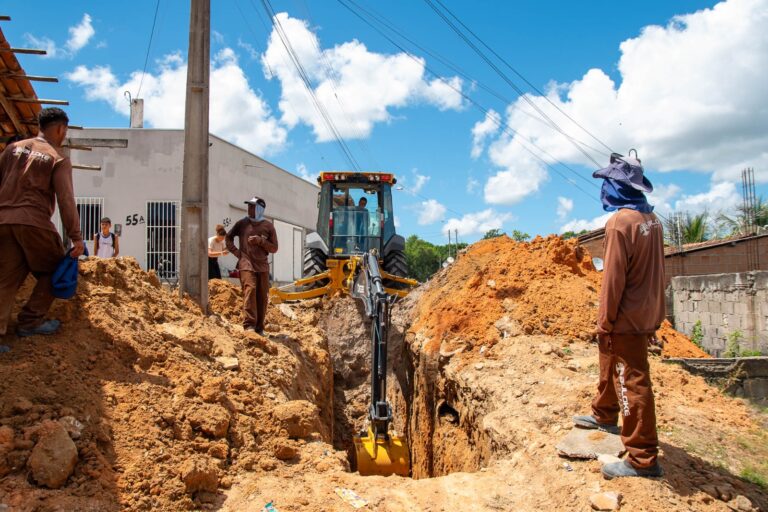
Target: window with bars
(163, 230)
(90, 210)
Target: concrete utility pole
(194, 194)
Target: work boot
(45, 328)
(624, 468)
(591, 422)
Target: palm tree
(684, 228)
(739, 224)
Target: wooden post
(194, 196)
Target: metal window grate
(90, 210)
(163, 239)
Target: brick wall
(738, 256)
(723, 303)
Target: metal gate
(163, 241)
(90, 210)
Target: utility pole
(449, 244)
(194, 194)
(456, 241)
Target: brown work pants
(255, 295)
(625, 389)
(25, 249)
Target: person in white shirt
(105, 243)
(216, 247)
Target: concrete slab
(581, 443)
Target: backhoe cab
(355, 217)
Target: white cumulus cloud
(476, 223)
(720, 197)
(80, 34)
(483, 130)
(430, 211)
(237, 112)
(577, 225)
(681, 100)
(357, 88)
(564, 207)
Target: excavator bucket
(384, 457)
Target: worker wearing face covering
(631, 310)
(257, 239)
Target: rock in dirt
(211, 419)
(199, 474)
(6, 436)
(54, 456)
(73, 427)
(605, 501)
(286, 451)
(582, 443)
(298, 417)
(741, 504)
(228, 363)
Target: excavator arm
(379, 452)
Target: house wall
(150, 169)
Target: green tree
(423, 258)
(519, 236)
(684, 228)
(738, 224)
(573, 234)
(494, 233)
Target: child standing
(105, 243)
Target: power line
(277, 25)
(382, 20)
(149, 46)
(503, 126)
(503, 75)
(520, 75)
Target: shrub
(733, 349)
(697, 334)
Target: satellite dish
(598, 263)
(450, 259)
(445, 264)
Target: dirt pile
(504, 288)
(677, 344)
(137, 378)
(501, 288)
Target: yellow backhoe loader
(356, 251)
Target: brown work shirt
(253, 253)
(632, 293)
(33, 176)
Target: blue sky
(683, 82)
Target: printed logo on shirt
(31, 154)
(646, 227)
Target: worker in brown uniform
(34, 175)
(257, 240)
(631, 310)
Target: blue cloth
(259, 214)
(64, 278)
(619, 194)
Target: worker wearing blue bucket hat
(631, 310)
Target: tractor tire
(396, 264)
(314, 264)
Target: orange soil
(677, 344)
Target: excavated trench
(439, 417)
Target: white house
(139, 188)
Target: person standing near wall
(105, 243)
(631, 310)
(34, 175)
(216, 247)
(257, 238)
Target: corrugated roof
(18, 118)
